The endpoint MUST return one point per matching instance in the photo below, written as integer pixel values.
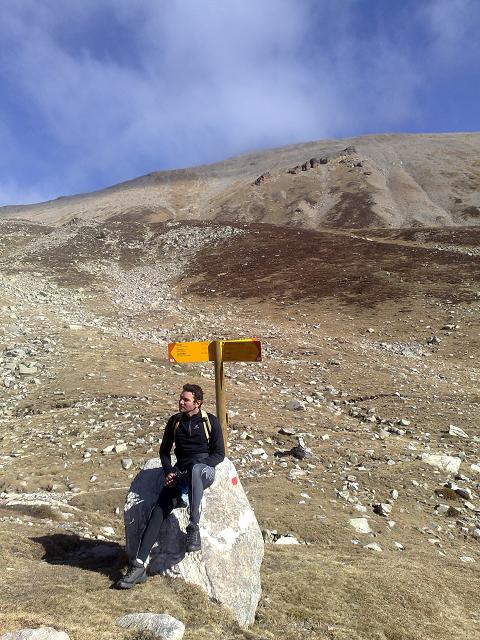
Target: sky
(94, 92)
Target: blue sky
(93, 92)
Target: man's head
(191, 399)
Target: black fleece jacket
(191, 444)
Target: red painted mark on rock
(235, 481)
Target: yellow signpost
(218, 351)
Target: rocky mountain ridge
(395, 181)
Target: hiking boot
(194, 542)
(136, 574)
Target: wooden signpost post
(218, 351)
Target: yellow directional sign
(248, 350)
(220, 351)
(191, 351)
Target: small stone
(467, 559)
(360, 525)
(399, 546)
(126, 463)
(382, 508)
(296, 473)
(457, 432)
(93, 478)
(394, 494)
(108, 449)
(464, 492)
(268, 536)
(120, 448)
(27, 371)
(442, 509)
(372, 546)
(287, 539)
(360, 507)
(287, 431)
(450, 464)
(295, 405)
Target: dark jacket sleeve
(217, 447)
(166, 446)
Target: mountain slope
(373, 181)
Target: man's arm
(166, 446)
(217, 446)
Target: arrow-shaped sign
(247, 350)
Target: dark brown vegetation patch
(353, 210)
(273, 262)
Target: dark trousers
(196, 480)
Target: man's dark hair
(194, 389)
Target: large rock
(42, 633)
(228, 566)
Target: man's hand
(170, 479)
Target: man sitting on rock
(199, 447)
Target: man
(199, 447)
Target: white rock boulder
(228, 566)
(360, 525)
(159, 625)
(450, 464)
(42, 633)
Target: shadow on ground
(100, 556)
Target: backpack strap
(207, 427)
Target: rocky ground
(370, 356)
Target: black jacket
(191, 444)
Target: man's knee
(197, 471)
(203, 473)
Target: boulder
(228, 566)
(265, 177)
(360, 525)
(159, 625)
(450, 464)
(42, 633)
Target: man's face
(187, 403)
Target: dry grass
(308, 593)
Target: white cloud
(120, 88)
